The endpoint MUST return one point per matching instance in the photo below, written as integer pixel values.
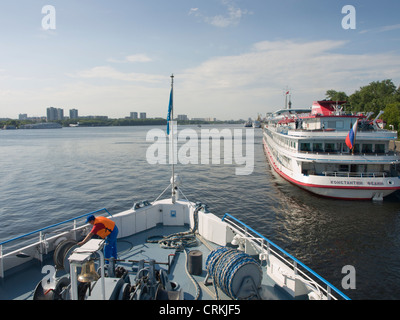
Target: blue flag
(170, 109)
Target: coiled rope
(223, 263)
(178, 240)
(181, 241)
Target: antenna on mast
(287, 92)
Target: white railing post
(328, 292)
(41, 246)
(1, 262)
(74, 230)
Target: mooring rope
(222, 265)
(181, 241)
(178, 240)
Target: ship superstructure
(308, 148)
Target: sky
(231, 59)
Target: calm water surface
(48, 176)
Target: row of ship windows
(330, 147)
(283, 141)
(283, 160)
(342, 147)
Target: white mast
(173, 193)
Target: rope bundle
(178, 240)
(223, 264)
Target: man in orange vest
(106, 229)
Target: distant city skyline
(231, 59)
(73, 114)
(53, 114)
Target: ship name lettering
(356, 183)
(375, 183)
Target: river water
(48, 176)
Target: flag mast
(354, 140)
(173, 192)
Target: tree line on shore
(84, 122)
(374, 97)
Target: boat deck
(135, 248)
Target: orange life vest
(109, 226)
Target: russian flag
(352, 136)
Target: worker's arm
(87, 238)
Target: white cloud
(390, 28)
(232, 16)
(381, 29)
(252, 81)
(226, 87)
(113, 100)
(305, 64)
(138, 58)
(193, 11)
(105, 72)
(132, 58)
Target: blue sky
(231, 58)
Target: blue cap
(89, 218)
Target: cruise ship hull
(336, 187)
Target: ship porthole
(390, 182)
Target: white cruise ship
(308, 148)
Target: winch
(108, 281)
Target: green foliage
(336, 95)
(99, 122)
(377, 96)
(374, 97)
(392, 115)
